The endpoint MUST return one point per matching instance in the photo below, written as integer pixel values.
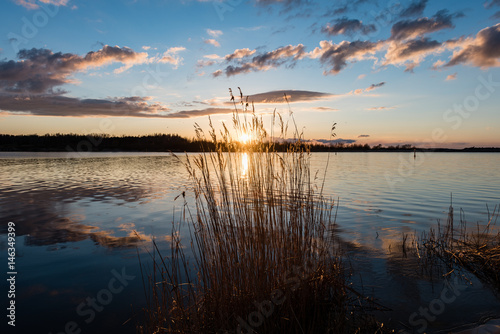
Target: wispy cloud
(347, 26)
(325, 109)
(363, 136)
(409, 29)
(336, 56)
(365, 90)
(278, 96)
(217, 73)
(414, 9)
(375, 86)
(240, 53)
(263, 62)
(35, 4)
(213, 42)
(491, 3)
(381, 108)
(200, 112)
(214, 33)
(287, 5)
(171, 56)
(451, 77)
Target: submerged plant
(462, 249)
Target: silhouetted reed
(262, 257)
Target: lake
(82, 222)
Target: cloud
(286, 4)
(278, 96)
(332, 141)
(212, 57)
(214, 33)
(200, 112)
(266, 61)
(217, 73)
(61, 106)
(325, 109)
(337, 55)
(208, 60)
(375, 86)
(347, 26)
(34, 4)
(56, 105)
(41, 70)
(438, 64)
(204, 63)
(411, 53)
(339, 10)
(212, 42)
(363, 136)
(495, 16)
(414, 9)
(240, 53)
(170, 56)
(381, 108)
(481, 51)
(451, 77)
(408, 29)
(492, 3)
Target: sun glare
(244, 138)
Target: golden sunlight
(244, 164)
(244, 138)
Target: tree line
(160, 142)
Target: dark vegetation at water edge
(460, 248)
(172, 142)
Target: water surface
(81, 221)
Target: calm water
(78, 221)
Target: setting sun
(244, 138)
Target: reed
(261, 255)
(462, 248)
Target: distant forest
(172, 142)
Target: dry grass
(458, 249)
(262, 256)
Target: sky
(422, 72)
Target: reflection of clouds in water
(43, 217)
(48, 198)
(40, 216)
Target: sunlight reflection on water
(244, 164)
(91, 212)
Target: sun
(244, 138)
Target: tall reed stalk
(262, 255)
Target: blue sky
(419, 72)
